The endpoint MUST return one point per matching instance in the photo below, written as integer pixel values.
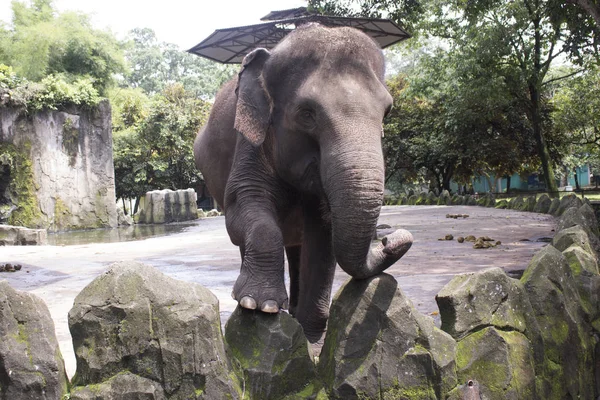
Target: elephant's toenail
(270, 306)
(248, 302)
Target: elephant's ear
(253, 110)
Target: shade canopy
(231, 45)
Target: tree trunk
(137, 204)
(508, 183)
(576, 180)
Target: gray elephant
(292, 153)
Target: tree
(519, 41)
(42, 42)
(153, 143)
(156, 65)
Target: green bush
(53, 92)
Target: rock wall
(139, 334)
(58, 168)
(164, 206)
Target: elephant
(292, 153)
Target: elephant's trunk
(354, 182)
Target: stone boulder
(502, 204)
(379, 346)
(554, 204)
(412, 200)
(432, 199)
(472, 301)
(583, 216)
(543, 204)
(516, 203)
(134, 319)
(568, 201)
(126, 386)
(490, 315)
(272, 353)
(19, 236)
(31, 365)
(576, 235)
(164, 206)
(445, 198)
(501, 361)
(123, 219)
(567, 370)
(457, 200)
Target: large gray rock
(472, 301)
(133, 318)
(379, 346)
(583, 216)
(575, 235)
(125, 386)
(164, 206)
(122, 219)
(272, 353)
(567, 202)
(543, 204)
(70, 182)
(31, 365)
(554, 204)
(500, 361)
(568, 367)
(20, 236)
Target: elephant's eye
(306, 117)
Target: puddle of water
(121, 234)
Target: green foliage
(154, 150)
(43, 42)
(52, 93)
(157, 65)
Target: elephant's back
(214, 146)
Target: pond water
(121, 234)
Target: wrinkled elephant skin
(292, 153)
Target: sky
(182, 22)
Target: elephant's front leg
(317, 267)
(254, 228)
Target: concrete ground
(202, 253)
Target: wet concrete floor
(201, 252)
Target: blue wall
(531, 182)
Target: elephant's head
(317, 102)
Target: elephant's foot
(263, 295)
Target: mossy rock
(568, 201)
(135, 319)
(567, 370)
(457, 200)
(272, 353)
(31, 365)
(575, 235)
(554, 204)
(121, 386)
(543, 204)
(516, 203)
(583, 216)
(487, 298)
(502, 204)
(412, 200)
(379, 346)
(432, 199)
(500, 361)
(21, 190)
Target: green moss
(21, 189)
(412, 393)
(62, 215)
